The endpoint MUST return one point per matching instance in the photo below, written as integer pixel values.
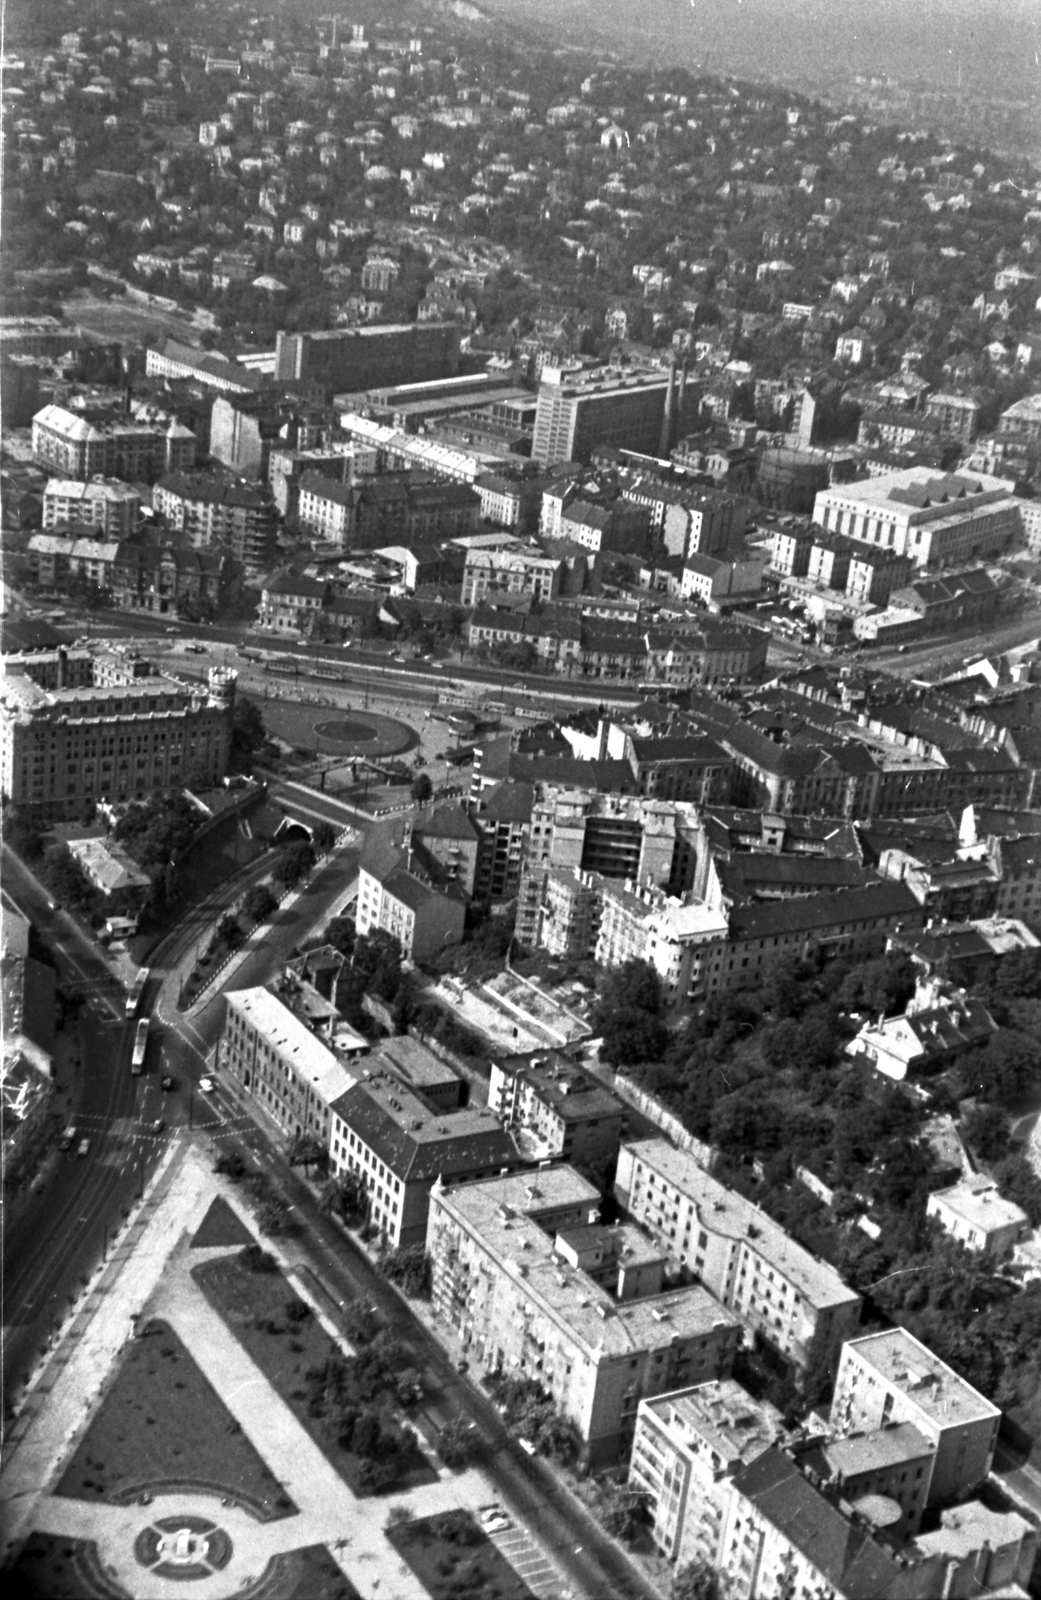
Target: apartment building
(784, 1536)
(77, 445)
(532, 1284)
(503, 820)
(401, 890)
(683, 940)
(274, 1057)
(401, 1148)
(327, 508)
(105, 504)
(687, 1449)
(783, 1294)
(509, 502)
(617, 836)
(118, 740)
(520, 570)
(937, 519)
(954, 414)
(557, 1111)
(213, 511)
(575, 412)
(891, 1377)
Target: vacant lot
(454, 1560)
(128, 320)
(162, 1425)
(279, 1334)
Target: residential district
(656, 456)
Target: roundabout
(331, 731)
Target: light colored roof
(719, 1414)
(726, 1212)
(904, 1363)
(67, 423)
(494, 1211)
(295, 1044)
(108, 865)
(978, 1203)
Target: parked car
(83, 1147)
(166, 1082)
(207, 1085)
(67, 1139)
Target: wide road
(591, 1562)
(59, 1231)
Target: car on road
(157, 1126)
(166, 1082)
(83, 1147)
(207, 1085)
(196, 649)
(68, 1138)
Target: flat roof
(726, 1212)
(719, 1414)
(906, 1364)
(980, 1205)
(593, 1317)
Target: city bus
(136, 990)
(137, 1060)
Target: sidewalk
(150, 1275)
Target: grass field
(162, 1424)
(255, 1305)
(455, 1560)
(53, 1568)
(127, 320)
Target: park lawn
(162, 1425)
(220, 1227)
(52, 1567)
(451, 1569)
(254, 1305)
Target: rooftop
(731, 1215)
(287, 1035)
(977, 1202)
(606, 1327)
(904, 1363)
(416, 1143)
(721, 1415)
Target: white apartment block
(535, 1287)
(892, 1377)
(285, 1067)
(683, 943)
(687, 1447)
(104, 503)
(326, 509)
(782, 1293)
(938, 519)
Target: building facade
(783, 1294)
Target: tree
(695, 1581)
(306, 1151)
(294, 861)
(1017, 1181)
(345, 1197)
(623, 1510)
(323, 837)
(458, 1442)
(259, 903)
(409, 1268)
(248, 734)
(422, 788)
(628, 1015)
(986, 1130)
(23, 833)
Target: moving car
(166, 1082)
